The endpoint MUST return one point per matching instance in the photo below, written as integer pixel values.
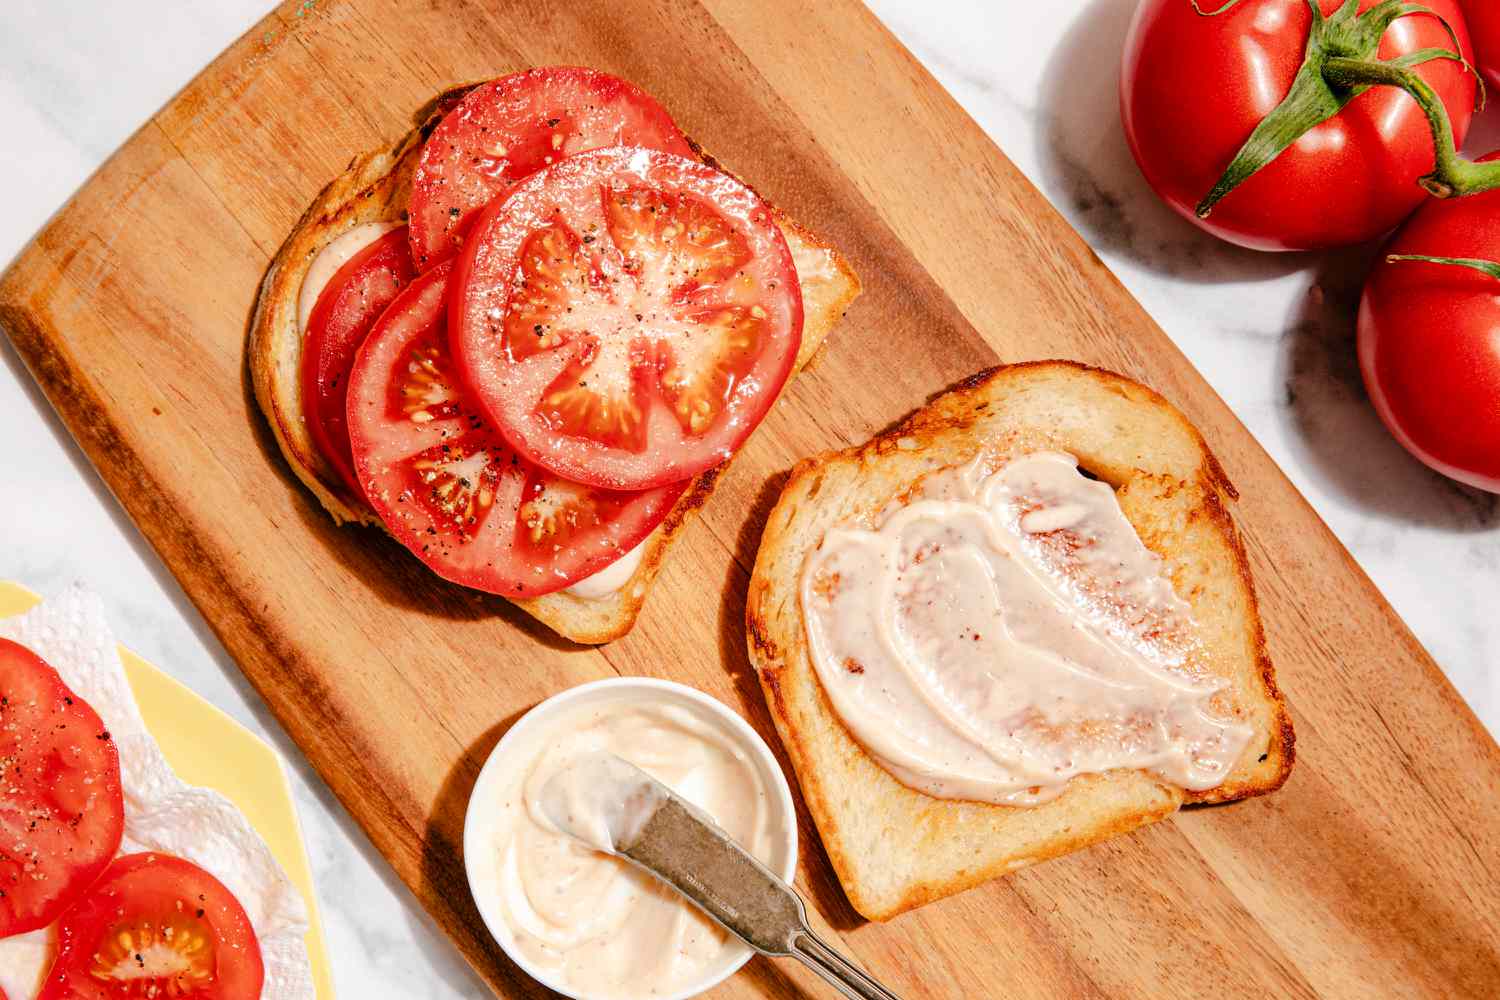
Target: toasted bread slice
(895, 848)
(375, 188)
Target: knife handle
(841, 974)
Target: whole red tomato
(1484, 25)
(1429, 339)
(1194, 87)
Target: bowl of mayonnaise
(589, 925)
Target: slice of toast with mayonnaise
(1018, 623)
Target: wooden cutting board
(1374, 872)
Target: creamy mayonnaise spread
(590, 922)
(602, 800)
(611, 578)
(326, 264)
(996, 633)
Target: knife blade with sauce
(613, 806)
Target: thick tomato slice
(62, 812)
(156, 926)
(355, 297)
(505, 130)
(450, 489)
(626, 317)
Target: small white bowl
(478, 836)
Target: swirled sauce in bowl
(588, 924)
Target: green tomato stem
(1341, 62)
(1453, 176)
(1488, 267)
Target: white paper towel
(162, 813)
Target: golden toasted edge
(769, 653)
(374, 189)
(1277, 766)
(830, 829)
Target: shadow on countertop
(1088, 172)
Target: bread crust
(375, 188)
(1176, 495)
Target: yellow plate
(241, 767)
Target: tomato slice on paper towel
(62, 810)
(627, 316)
(156, 926)
(451, 489)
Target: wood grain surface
(1372, 873)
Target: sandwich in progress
(526, 339)
(1018, 623)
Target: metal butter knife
(681, 845)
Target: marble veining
(1273, 335)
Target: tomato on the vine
(1333, 166)
(1429, 338)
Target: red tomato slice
(355, 297)
(626, 317)
(451, 490)
(505, 130)
(62, 812)
(156, 926)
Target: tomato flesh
(451, 489)
(1193, 88)
(505, 130)
(1483, 17)
(62, 811)
(1429, 340)
(355, 297)
(156, 926)
(626, 317)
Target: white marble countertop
(1273, 334)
